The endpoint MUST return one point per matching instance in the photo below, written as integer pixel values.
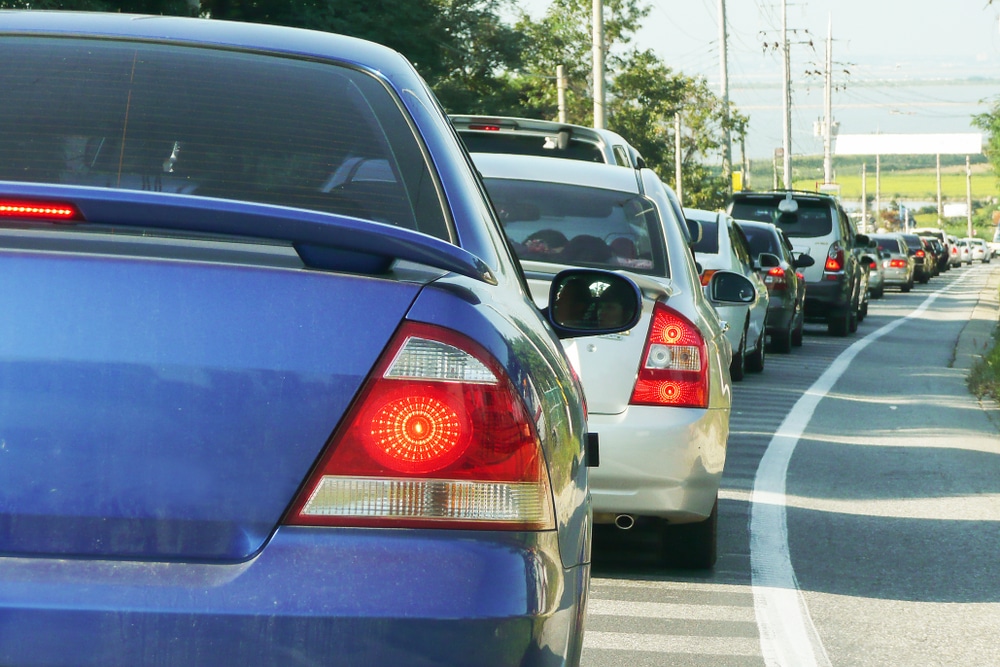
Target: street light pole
(598, 48)
(787, 98)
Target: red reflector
(38, 210)
(487, 128)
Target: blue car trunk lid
(170, 409)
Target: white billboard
(909, 144)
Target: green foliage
(166, 7)
(989, 122)
(984, 378)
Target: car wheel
(840, 324)
(737, 369)
(880, 293)
(863, 313)
(798, 331)
(782, 340)
(692, 545)
(755, 362)
(907, 287)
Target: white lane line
(672, 612)
(650, 643)
(788, 637)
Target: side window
(740, 245)
(621, 156)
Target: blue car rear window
(211, 122)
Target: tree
(989, 122)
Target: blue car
(272, 389)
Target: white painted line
(650, 643)
(669, 612)
(788, 637)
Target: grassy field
(920, 184)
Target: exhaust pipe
(624, 521)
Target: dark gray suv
(818, 226)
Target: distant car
(955, 253)
(786, 287)
(898, 265)
(923, 269)
(876, 272)
(277, 392)
(943, 238)
(995, 243)
(964, 251)
(723, 247)
(978, 249)
(659, 397)
(818, 226)
(528, 136)
(938, 252)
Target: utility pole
(864, 197)
(561, 92)
(598, 48)
(878, 191)
(940, 201)
(678, 159)
(727, 150)
(828, 103)
(787, 95)
(968, 195)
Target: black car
(923, 262)
(819, 227)
(786, 287)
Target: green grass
(984, 378)
(915, 184)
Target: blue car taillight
(437, 438)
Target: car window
(812, 219)
(761, 240)
(709, 242)
(740, 245)
(213, 123)
(571, 224)
(514, 143)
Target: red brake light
(897, 263)
(775, 279)
(38, 210)
(674, 369)
(438, 437)
(919, 253)
(487, 128)
(834, 259)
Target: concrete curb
(977, 335)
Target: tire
(840, 325)
(907, 287)
(782, 340)
(797, 334)
(737, 369)
(692, 545)
(755, 362)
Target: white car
(964, 252)
(659, 395)
(978, 250)
(723, 246)
(995, 243)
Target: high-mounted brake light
(485, 128)
(438, 437)
(38, 210)
(674, 368)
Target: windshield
(571, 224)
(212, 123)
(813, 217)
(709, 241)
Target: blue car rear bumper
(367, 597)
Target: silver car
(659, 395)
(897, 263)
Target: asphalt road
(860, 509)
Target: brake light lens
(775, 279)
(919, 253)
(438, 438)
(38, 210)
(674, 370)
(486, 128)
(897, 263)
(834, 259)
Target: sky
(900, 66)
